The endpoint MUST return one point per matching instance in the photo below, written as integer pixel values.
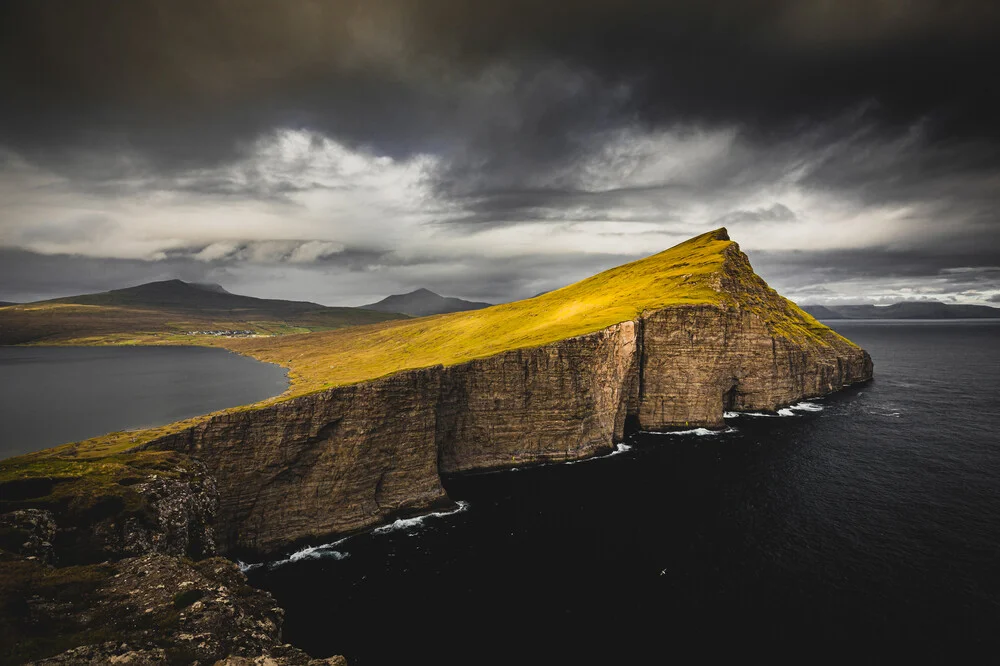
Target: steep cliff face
(753, 351)
(347, 458)
(701, 360)
(558, 402)
(329, 463)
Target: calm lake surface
(53, 395)
(865, 526)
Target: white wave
(244, 567)
(324, 551)
(700, 432)
(806, 407)
(784, 411)
(317, 553)
(619, 448)
(407, 523)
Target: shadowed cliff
(378, 414)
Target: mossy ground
(83, 490)
(64, 593)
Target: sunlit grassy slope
(687, 274)
(679, 275)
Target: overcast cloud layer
(343, 150)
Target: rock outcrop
(70, 513)
(148, 610)
(100, 568)
(351, 457)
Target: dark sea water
(865, 530)
(54, 395)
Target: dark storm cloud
(535, 114)
(29, 276)
(187, 80)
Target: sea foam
(619, 448)
(784, 411)
(416, 521)
(700, 432)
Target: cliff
(346, 458)
(95, 543)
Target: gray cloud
(387, 144)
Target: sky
(342, 150)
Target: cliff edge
(673, 340)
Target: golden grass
(680, 275)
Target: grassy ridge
(682, 274)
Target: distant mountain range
(192, 296)
(154, 310)
(424, 302)
(905, 310)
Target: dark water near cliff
(869, 530)
(53, 395)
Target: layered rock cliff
(348, 458)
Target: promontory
(116, 541)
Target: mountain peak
(721, 234)
(423, 302)
(209, 286)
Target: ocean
(861, 526)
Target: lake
(54, 395)
(864, 527)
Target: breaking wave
(324, 551)
(700, 432)
(407, 523)
(619, 448)
(784, 411)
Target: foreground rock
(153, 609)
(138, 581)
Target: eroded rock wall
(356, 456)
(330, 463)
(701, 360)
(558, 402)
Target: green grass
(681, 275)
(86, 489)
